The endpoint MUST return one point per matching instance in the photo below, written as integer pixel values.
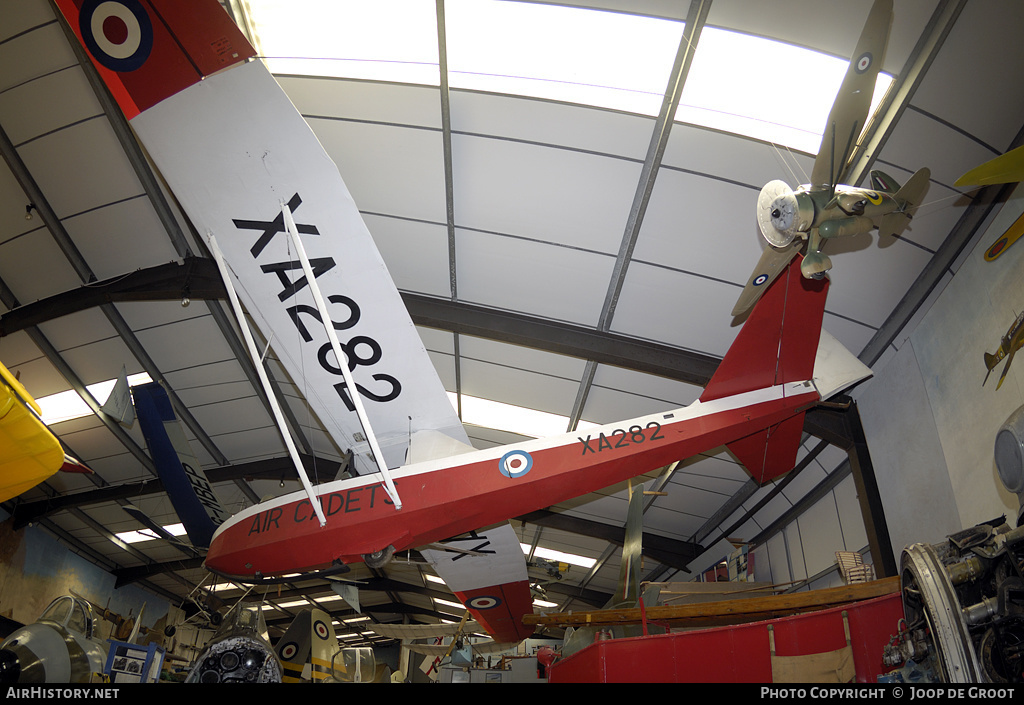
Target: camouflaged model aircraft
(805, 218)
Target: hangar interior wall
(930, 417)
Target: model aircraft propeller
(803, 219)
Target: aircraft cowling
(845, 227)
(45, 653)
(783, 214)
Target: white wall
(929, 420)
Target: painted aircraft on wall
(258, 187)
(29, 452)
(1008, 346)
(805, 218)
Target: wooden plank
(726, 611)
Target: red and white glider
(256, 183)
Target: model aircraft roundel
(760, 279)
(484, 602)
(996, 249)
(863, 62)
(515, 463)
(118, 33)
(289, 650)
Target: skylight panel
(65, 406)
(387, 40)
(147, 535)
(591, 57)
(764, 89)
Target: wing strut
(271, 397)
(325, 317)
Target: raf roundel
(321, 629)
(118, 33)
(760, 279)
(484, 602)
(515, 463)
(863, 63)
(289, 650)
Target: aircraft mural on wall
(805, 218)
(259, 188)
(1008, 346)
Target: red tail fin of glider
(776, 345)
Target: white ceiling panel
(679, 309)
(392, 170)
(517, 356)
(548, 123)
(563, 284)
(953, 87)
(415, 252)
(33, 266)
(78, 329)
(111, 251)
(370, 101)
(518, 386)
(53, 101)
(85, 178)
(748, 163)
(681, 232)
(530, 191)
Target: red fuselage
(444, 498)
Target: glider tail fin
(778, 344)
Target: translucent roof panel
(591, 57)
(387, 40)
(777, 92)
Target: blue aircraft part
(186, 484)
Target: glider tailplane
(777, 345)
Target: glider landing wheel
(379, 559)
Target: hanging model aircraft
(1008, 346)
(1004, 169)
(256, 184)
(29, 452)
(804, 219)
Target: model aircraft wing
(773, 261)
(850, 110)
(29, 452)
(488, 575)
(1004, 169)
(235, 152)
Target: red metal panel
(738, 654)
(786, 320)
(135, 48)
